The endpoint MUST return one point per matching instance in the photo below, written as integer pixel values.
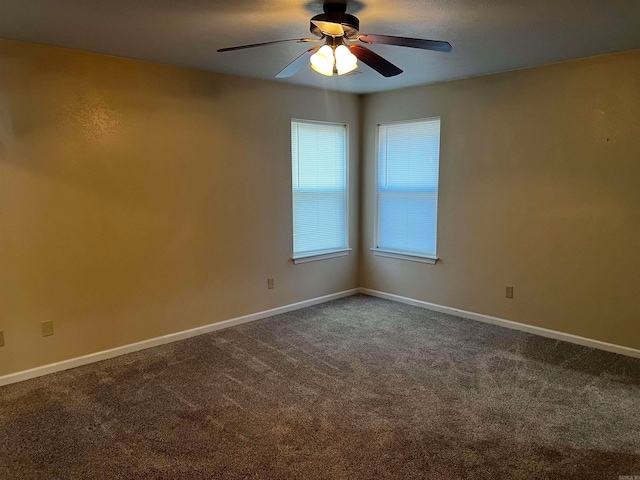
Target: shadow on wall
(7, 137)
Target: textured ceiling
(487, 35)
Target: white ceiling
(487, 35)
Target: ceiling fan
(339, 54)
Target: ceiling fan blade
(293, 68)
(375, 61)
(297, 40)
(435, 45)
(329, 28)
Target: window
(319, 177)
(407, 190)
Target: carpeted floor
(356, 388)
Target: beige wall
(138, 200)
(539, 189)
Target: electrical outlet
(47, 328)
(269, 283)
(508, 292)
(1, 338)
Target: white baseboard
(543, 332)
(172, 337)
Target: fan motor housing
(350, 23)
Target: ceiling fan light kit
(334, 57)
(338, 55)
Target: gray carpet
(356, 388)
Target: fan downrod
(334, 7)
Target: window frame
(398, 254)
(315, 255)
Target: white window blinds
(407, 187)
(319, 168)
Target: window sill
(305, 258)
(379, 252)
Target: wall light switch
(508, 292)
(1, 338)
(269, 283)
(47, 329)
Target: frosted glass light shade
(345, 60)
(322, 61)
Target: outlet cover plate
(47, 329)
